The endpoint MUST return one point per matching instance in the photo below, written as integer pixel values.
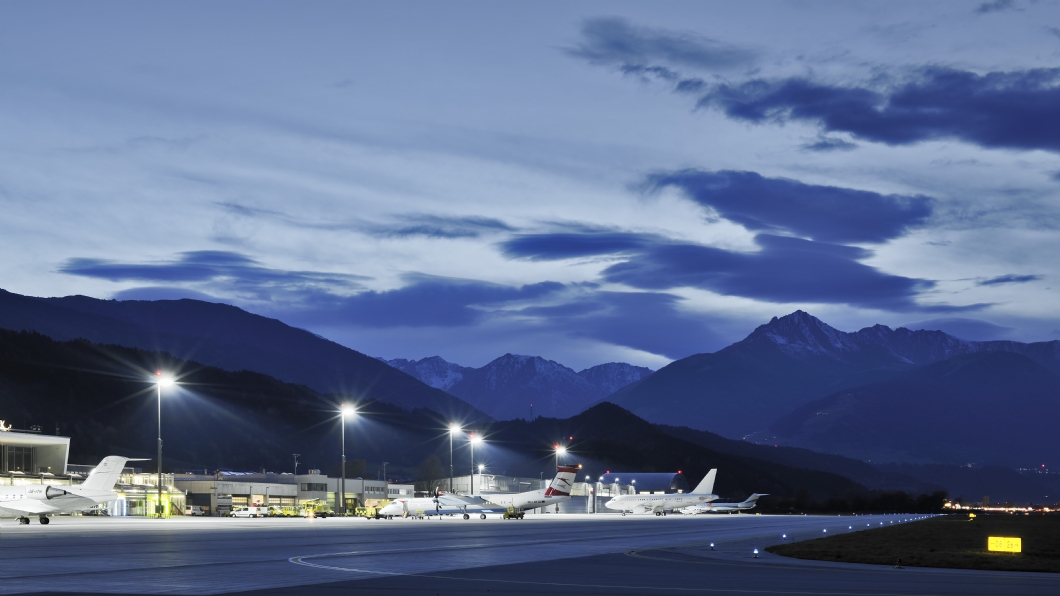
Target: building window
(314, 487)
(19, 459)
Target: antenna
(296, 455)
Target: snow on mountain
(514, 385)
(433, 371)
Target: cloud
(405, 225)
(426, 301)
(1008, 279)
(229, 271)
(785, 270)
(824, 144)
(995, 6)
(566, 245)
(162, 293)
(970, 329)
(1054, 30)
(614, 40)
(648, 321)
(1010, 110)
(433, 226)
(826, 213)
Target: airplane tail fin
(707, 486)
(754, 498)
(563, 481)
(105, 475)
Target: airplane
(44, 500)
(450, 504)
(724, 507)
(660, 504)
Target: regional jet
(450, 504)
(661, 504)
(44, 500)
(724, 507)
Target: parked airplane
(660, 504)
(44, 500)
(724, 507)
(450, 504)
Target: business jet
(44, 500)
(661, 504)
(724, 507)
(450, 504)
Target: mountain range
(515, 386)
(919, 398)
(792, 360)
(985, 408)
(231, 339)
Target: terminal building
(219, 493)
(31, 457)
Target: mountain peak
(801, 333)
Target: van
(194, 510)
(248, 512)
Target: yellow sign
(1004, 545)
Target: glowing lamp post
(161, 381)
(560, 450)
(472, 439)
(345, 410)
(453, 429)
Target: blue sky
(589, 182)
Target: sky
(588, 182)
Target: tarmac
(566, 554)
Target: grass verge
(952, 542)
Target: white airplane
(660, 504)
(44, 500)
(450, 504)
(724, 507)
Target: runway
(586, 554)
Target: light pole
(473, 438)
(453, 429)
(346, 411)
(481, 467)
(160, 382)
(560, 450)
(296, 456)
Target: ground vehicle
(316, 508)
(249, 512)
(275, 511)
(511, 513)
(194, 510)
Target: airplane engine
(44, 493)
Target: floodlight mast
(161, 381)
(472, 439)
(345, 410)
(453, 429)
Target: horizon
(586, 183)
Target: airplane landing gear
(483, 516)
(658, 514)
(43, 520)
(23, 520)
(466, 516)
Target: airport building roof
(667, 482)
